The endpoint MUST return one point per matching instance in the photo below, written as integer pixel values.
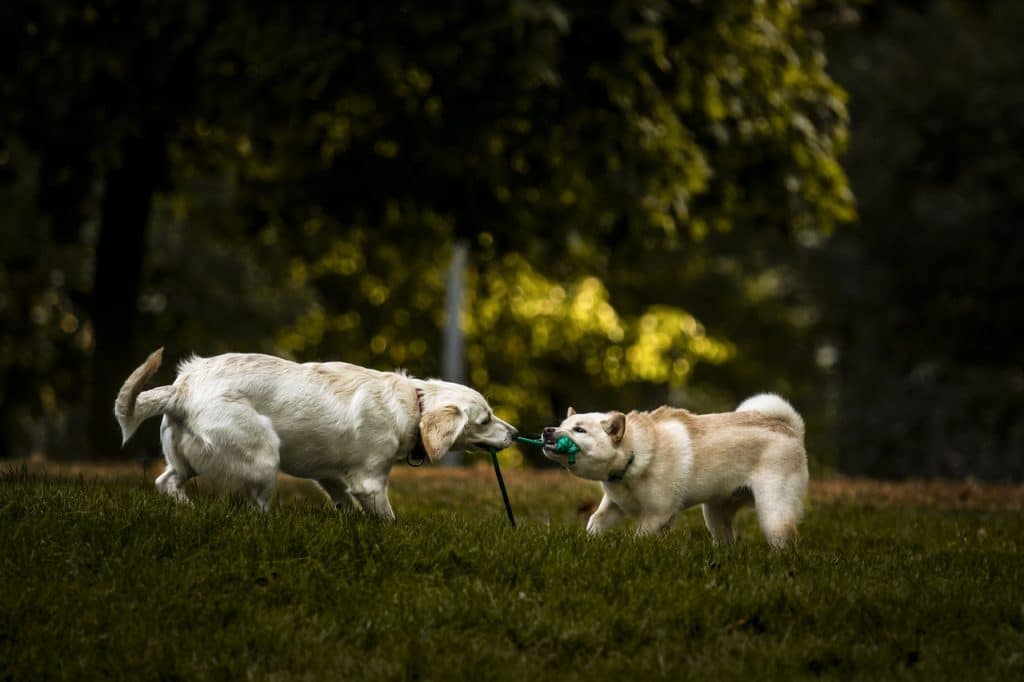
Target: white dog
(241, 418)
(653, 464)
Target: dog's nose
(549, 433)
(513, 432)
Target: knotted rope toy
(563, 446)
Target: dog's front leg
(654, 522)
(372, 494)
(607, 515)
(337, 490)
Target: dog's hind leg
(718, 519)
(718, 516)
(779, 529)
(237, 445)
(778, 503)
(265, 457)
(259, 492)
(339, 493)
(172, 480)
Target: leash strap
(537, 442)
(501, 484)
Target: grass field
(104, 578)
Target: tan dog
(653, 464)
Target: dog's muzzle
(510, 437)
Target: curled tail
(132, 406)
(773, 405)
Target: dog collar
(619, 475)
(418, 455)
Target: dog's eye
(485, 421)
(579, 429)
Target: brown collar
(418, 455)
(619, 475)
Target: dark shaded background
(658, 199)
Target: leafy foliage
(316, 166)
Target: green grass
(106, 579)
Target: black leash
(501, 484)
(537, 442)
(419, 455)
(568, 446)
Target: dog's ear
(440, 428)
(570, 412)
(615, 426)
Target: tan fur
(133, 385)
(439, 429)
(670, 459)
(129, 409)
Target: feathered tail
(132, 406)
(777, 407)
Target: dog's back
(754, 454)
(741, 438)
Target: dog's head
(455, 417)
(599, 438)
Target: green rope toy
(563, 446)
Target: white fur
(242, 418)
(775, 405)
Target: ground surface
(106, 578)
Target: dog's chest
(625, 496)
(661, 487)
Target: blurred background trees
(925, 295)
(652, 194)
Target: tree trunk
(120, 248)
(453, 360)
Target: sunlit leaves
(525, 323)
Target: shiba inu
(654, 464)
